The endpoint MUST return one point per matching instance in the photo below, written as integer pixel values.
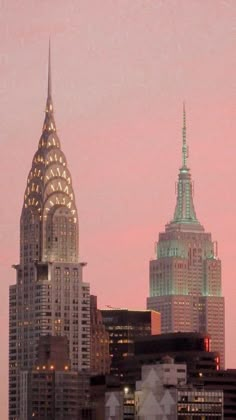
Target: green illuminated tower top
(185, 218)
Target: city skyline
(125, 81)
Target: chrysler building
(49, 297)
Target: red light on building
(206, 344)
(217, 360)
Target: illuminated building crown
(49, 203)
(184, 216)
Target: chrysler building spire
(184, 215)
(49, 197)
(49, 122)
(49, 71)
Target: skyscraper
(185, 277)
(51, 390)
(124, 327)
(100, 360)
(49, 297)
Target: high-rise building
(51, 390)
(100, 360)
(49, 297)
(124, 326)
(185, 277)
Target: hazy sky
(121, 70)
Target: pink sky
(121, 70)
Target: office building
(124, 326)
(185, 277)
(193, 349)
(100, 360)
(49, 297)
(51, 390)
(163, 394)
(224, 380)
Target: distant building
(194, 349)
(163, 394)
(119, 405)
(49, 297)
(185, 277)
(53, 352)
(204, 403)
(100, 385)
(124, 326)
(220, 380)
(51, 390)
(100, 360)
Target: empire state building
(185, 276)
(49, 297)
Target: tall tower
(185, 277)
(49, 297)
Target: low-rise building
(192, 348)
(163, 394)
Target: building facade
(49, 297)
(124, 326)
(100, 360)
(193, 349)
(221, 380)
(185, 277)
(162, 394)
(51, 390)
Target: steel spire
(49, 123)
(184, 144)
(49, 71)
(185, 214)
(49, 105)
